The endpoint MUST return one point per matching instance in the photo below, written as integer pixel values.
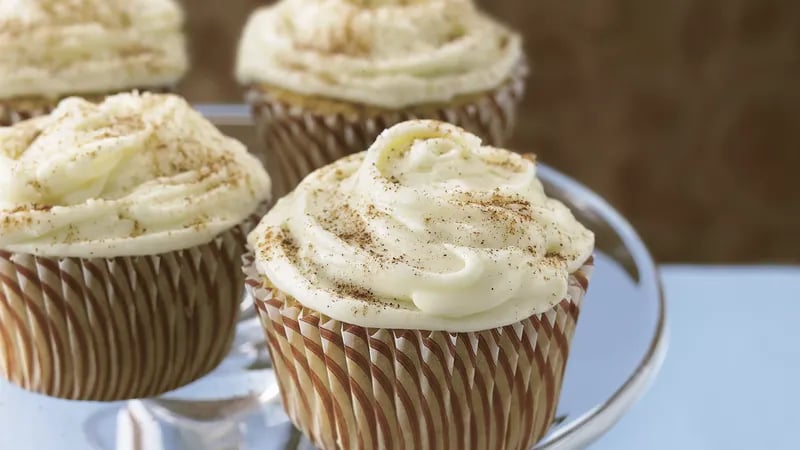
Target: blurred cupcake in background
(325, 77)
(122, 228)
(421, 294)
(50, 49)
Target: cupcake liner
(348, 387)
(19, 109)
(108, 329)
(13, 111)
(298, 140)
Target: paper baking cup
(19, 109)
(15, 111)
(119, 328)
(298, 141)
(348, 387)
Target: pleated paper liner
(352, 388)
(119, 328)
(18, 109)
(301, 134)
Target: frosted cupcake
(421, 294)
(325, 77)
(50, 49)
(122, 227)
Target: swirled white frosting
(134, 175)
(428, 230)
(51, 48)
(386, 53)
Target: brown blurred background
(684, 114)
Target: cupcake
(325, 77)
(421, 294)
(50, 49)
(122, 227)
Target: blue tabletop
(731, 379)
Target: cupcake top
(385, 53)
(427, 229)
(134, 175)
(52, 48)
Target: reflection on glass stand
(618, 348)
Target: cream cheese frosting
(137, 174)
(52, 48)
(428, 229)
(385, 53)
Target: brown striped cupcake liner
(299, 140)
(19, 109)
(348, 387)
(107, 329)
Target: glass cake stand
(618, 348)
